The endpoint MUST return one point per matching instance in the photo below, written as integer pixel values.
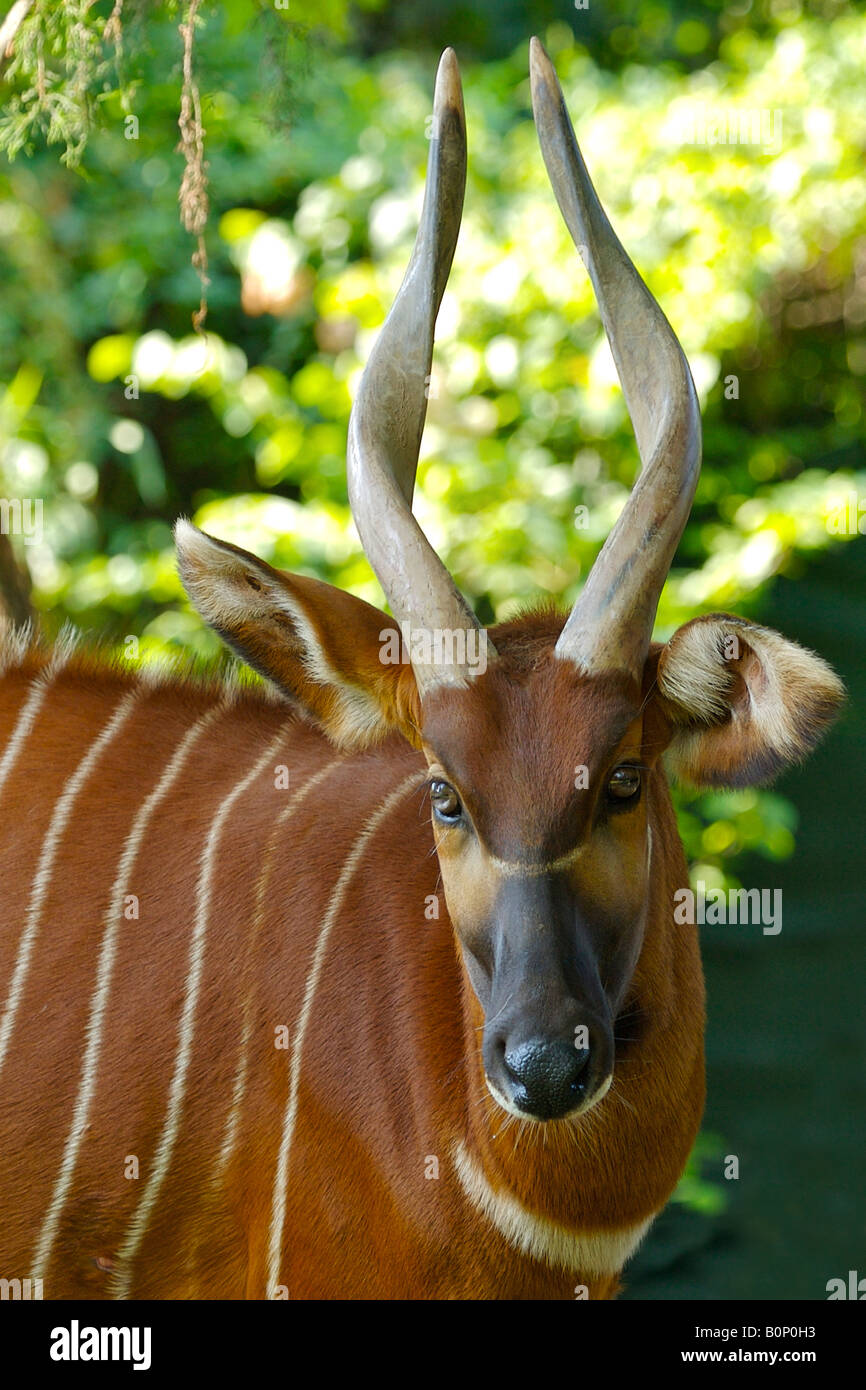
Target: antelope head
(543, 737)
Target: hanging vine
(193, 193)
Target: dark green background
(786, 1080)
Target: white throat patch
(592, 1254)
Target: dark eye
(624, 784)
(446, 802)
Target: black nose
(546, 1076)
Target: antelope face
(539, 808)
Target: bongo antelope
(355, 989)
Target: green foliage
(685, 35)
(66, 60)
(696, 1188)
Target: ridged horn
(388, 414)
(610, 626)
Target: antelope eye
(624, 784)
(446, 802)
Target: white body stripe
(240, 1081)
(108, 949)
(590, 1254)
(165, 1148)
(32, 705)
(45, 867)
(278, 1210)
(22, 731)
(15, 643)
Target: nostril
(514, 1067)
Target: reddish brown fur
(390, 1075)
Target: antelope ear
(334, 654)
(742, 701)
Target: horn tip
(448, 89)
(540, 66)
(543, 80)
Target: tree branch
(14, 586)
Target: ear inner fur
(321, 646)
(743, 701)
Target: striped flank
(278, 1209)
(45, 867)
(113, 919)
(162, 1158)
